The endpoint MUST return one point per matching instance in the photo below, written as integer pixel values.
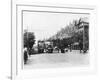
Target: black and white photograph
(52, 41)
(55, 39)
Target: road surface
(46, 60)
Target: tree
(71, 33)
(29, 39)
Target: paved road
(47, 60)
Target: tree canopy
(29, 39)
(70, 34)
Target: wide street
(46, 60)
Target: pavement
(51, 60)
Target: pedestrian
(25, 55)
(70, 47)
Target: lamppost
(27, 42)
(83, 38)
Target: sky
(45, 25)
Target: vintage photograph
(54, 39)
